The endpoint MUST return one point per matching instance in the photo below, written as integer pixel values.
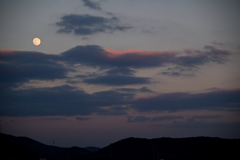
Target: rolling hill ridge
(19, 148)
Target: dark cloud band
(70, 101)
(96, 56)
(18, 67)
(88, 25)
(118, 80)
(186, 101)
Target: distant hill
(26, 148)
(72, 153)
(194, 148)
(172, 148)
(92, 149)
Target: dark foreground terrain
(23, 148)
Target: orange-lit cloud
(6, 50)
(94, 55)
(145, 96)
(115, 53)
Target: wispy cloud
(92, 4)
(154, 119)
(117, 77)
(222, 99)
(177, 74)
(118, 80)
(82, 119)
(162, 118)
(206, 125)
(133, 90)
(202, 119)
(88, 25)
(217, 43)
(114, 110)
(138, 119)
(53, 119)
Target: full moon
(36, 41)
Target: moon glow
(36, 41)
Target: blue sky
(107, 69)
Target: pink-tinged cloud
(6, 50)
(17, 67)
(136, 51)
(93, 55)
(145, 96)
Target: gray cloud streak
(70, 101)
(91, 4)
(86, 24)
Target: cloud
(121, 71)
(90, 55)
(17, 67)
(206, 117)
(161, 118)
(116, 76)
(72, 101)
(117, 80)
(217, 43)
(88, 25)
(154, 119)
(177, 74)
(82, 119)
(231, 127)
(201, 119)
(197, 57)
(91, 4)
(133, 90)
(62, 100)
(115, 110)
(222, 99)
(180, 71)
(138, 119)
(53, 119)
(96, 56)
(110, 97)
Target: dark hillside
(194, 148)
(172, 148)
(92, 149)
(71, 153)
(29, 144)
(26, 148)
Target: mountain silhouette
(22, 147)
(193, 148)
(172, 148)
(72, 153)
(92, 149)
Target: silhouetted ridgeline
(22, 148)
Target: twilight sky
(109, 69)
